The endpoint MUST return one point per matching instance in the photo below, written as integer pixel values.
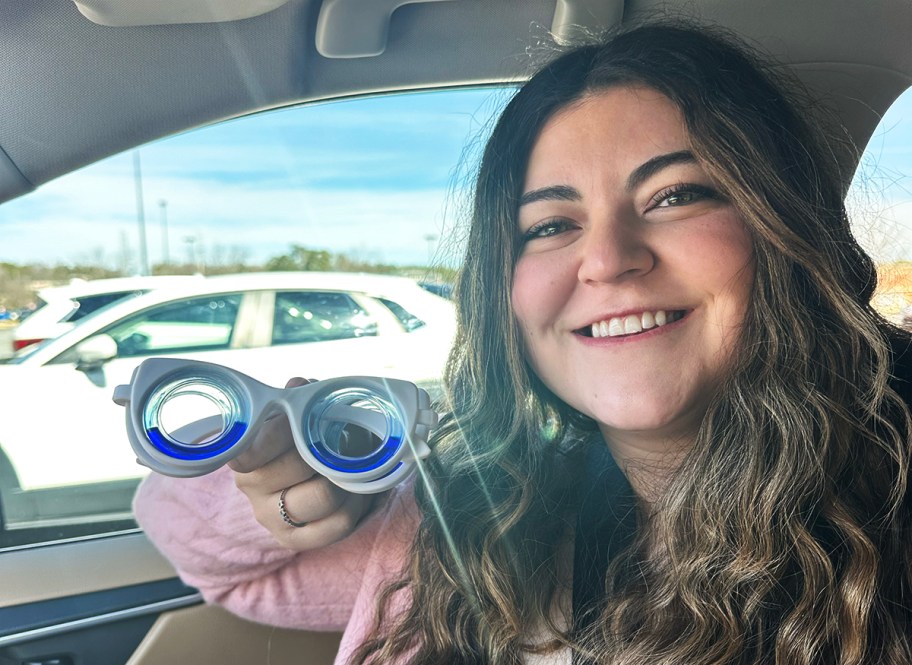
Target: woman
(676, 430)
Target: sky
(382, 179)
(880, 199)
(376, 178)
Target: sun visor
(578, 19)
(356, 28)
(128, 13)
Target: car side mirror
(95, 352)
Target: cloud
(882, 225)
(367, 176)
(96, 215)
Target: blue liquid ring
(357, 464)
(190, 453)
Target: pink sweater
(206, 528)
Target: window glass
(314, 316)
(193, 324)
(358, 186)
(408, 320)
(442, 289)
(89, 304)
(880, 204)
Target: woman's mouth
(631, 324)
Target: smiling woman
(323, 134)
(621, 225)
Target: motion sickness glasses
(187, 418)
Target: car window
(315, 316)
(360, 186)
(880, 205)
(194, 324)
(89, 304)
(444, 290)
(408, 320)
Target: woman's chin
(652, 429)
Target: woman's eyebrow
(639, 175)
(552, 193)
(652, 166)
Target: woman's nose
(614, 251)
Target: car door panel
(88, 601)
(176, 638)
(116, 600)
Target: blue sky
(370, 177)
(880, 200)
(380, 178)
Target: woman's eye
(682, 195)
(546, 229)
(680, 198)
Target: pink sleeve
(397, 532)
(206, 528)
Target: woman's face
(634, 274)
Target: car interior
(84, 80)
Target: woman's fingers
(272, 440)
(301, 509)
(306, 502)
(284, 471)
(321, 531)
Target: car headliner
(75, 91)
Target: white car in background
(271, 326)
(61, 307)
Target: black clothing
(606, 524)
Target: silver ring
(284, 513)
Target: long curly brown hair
(785, 535)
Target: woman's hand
(272, 470)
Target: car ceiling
(75, 91)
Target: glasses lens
(192, 413)
(353, 430)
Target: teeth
(615, 327)
(632, 323)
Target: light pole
(430, 238)
(140, 215)
(192, 251)
(166, 250)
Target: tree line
(18, 283)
